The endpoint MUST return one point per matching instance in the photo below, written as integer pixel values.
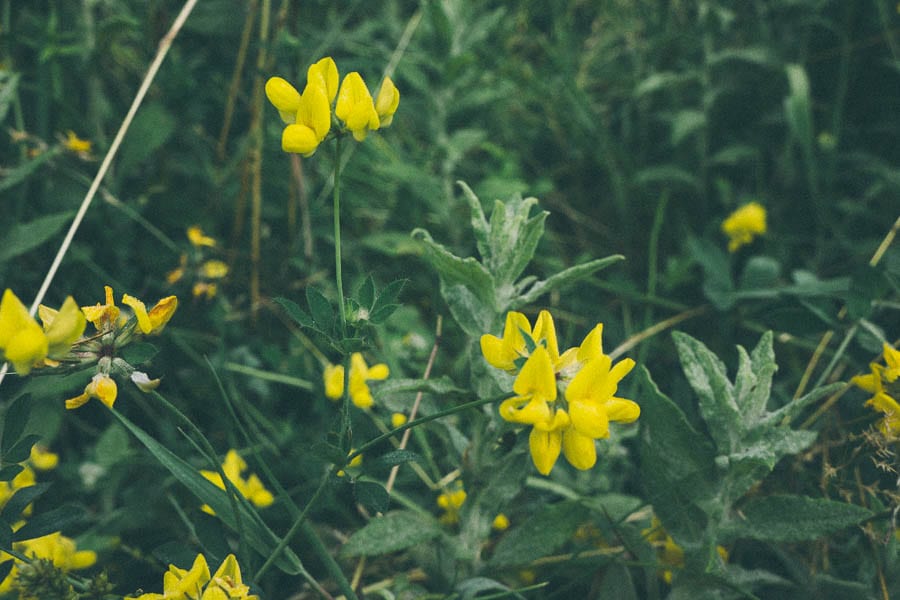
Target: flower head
(102, 387)
(744, 224)
(25, 343)
(881, 382)
(360, 373)
(251, 488)
(450, 503)
(196, 583)
(569, 424)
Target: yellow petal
(580, 450)
(26, 347)
(325, 71)
(77, 401)
(545, 331)
(334, 381)
(592, 345)
(589, 417)
(892, 360)
(162, 312)
(105, 389)
(140, 311)
(66, 327)
(525, 410)
(387, 101)
(545, 447)
(282, 95)
(299, 139)
(378, 372)
(537, 378)
(214, 269)
(622, 410)
(315, 111)
(197, 238)
(42, 459)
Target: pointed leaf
(706, 374)
(365, 295)
(372, 496)
(513, 238)
(256, 532)
(454, 270)
(393, 458)
(293, 310)
(20, 499)
(392, 532)
(564, 278)
(14, 420)
(21, 450)
(479, 223)
(544, 532)
(786, 518)
(753, 383)
(322, 312)
(49, 522)
(22, 237)
(389, 294)
(677, 465)
(441, 386)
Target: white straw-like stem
(164, 46)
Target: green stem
(338, 275)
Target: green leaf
(393, 458)
(564, 278)
(685, 123)
(867, 285)
(365, 295)
(49, 522)
(112, 446)
(717, 283)
(371, 495)
(547, 530)
(137, 353)
(454, 270)
(9, 472)
(392, 532)
(786, 518)
(9, 83)
(253, 528)
(21, 498)
(513, 238)
(759, 453)
(441, 386)
(21, 238)
(677, 465)
(151, 128)
(706, 374)
(14, 420)
(479, 223)
(321, 310)
(21, 450)
(753, 382)
(14, 177)
(381, 315)
(293, 310)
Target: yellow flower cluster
(567, 423)
(744, 224)
(251, 488)
(882, 383)
(360, 372)
(450, 503)
(196, 583)
(62, 551)
(204, 273)
(669, 554)
(308, 115)
(113, 332)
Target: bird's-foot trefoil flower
(883, 382)
(197, 583)
(565, 423)
(744, 224)
(251, 488)
(26, 344)
(360, 373)
(114, 331)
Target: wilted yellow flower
(744, 224)
(251, 488)
(102, 387)
(360, 372)
(73, 143)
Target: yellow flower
(197, 238)
(360, 372)
(42, 459)
(355, 107)
(62, 327)
(398, 420)
(744, 224)
(669, 554)
(103, 316)
(451, 502)
(508, 353)
(22, 341)
(283, 97)
(102, 387)
(387, 101)
(324, 74)
(500, 523)
(75, 144)
(197, 584)
(251, 488)
(154, 321)
(55, 547)
(214, 269)
(535, 386)
(882, 399)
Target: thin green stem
(338, 273)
